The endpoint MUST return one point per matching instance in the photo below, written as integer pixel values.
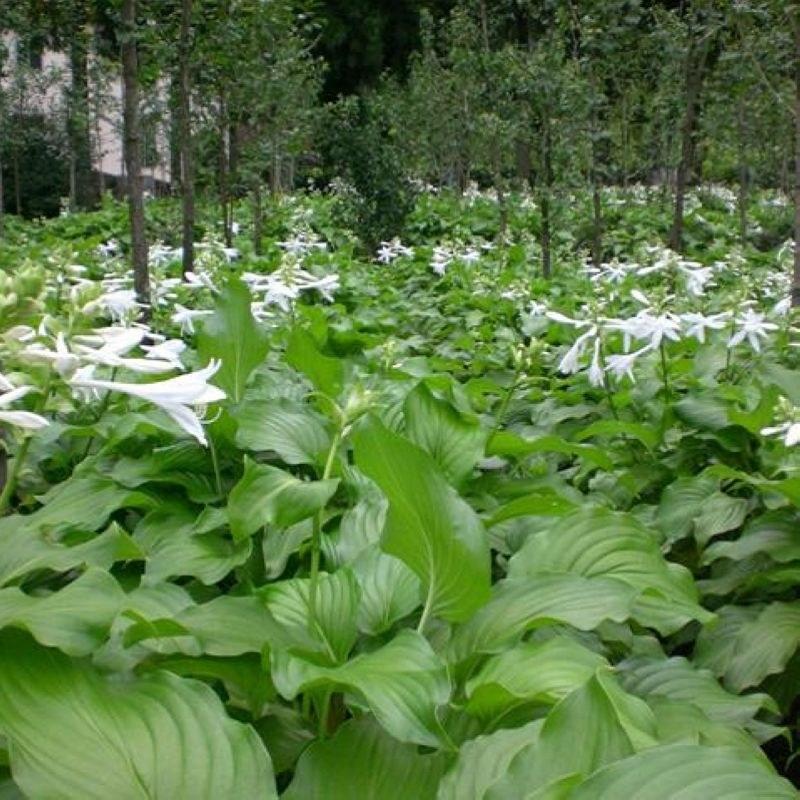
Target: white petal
(188, 420)
(24, 419)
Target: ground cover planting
(406, 521)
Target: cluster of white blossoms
(446, 255)
(788, 426)
(282, 287)
(390, 251)
(21, 419)
(303, 243)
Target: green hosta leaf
(75, 733)
(428, 525)
(389, 590)
(484, 760)
(520, 605)
(403, 683)
(774, 535)
(678, 679)
(337, 604)
(542, 672)
(23, 552)
(226, 626)
(174, 547)
(505, 443)
(746, 646)
(702, 411)
(267, 495)
(688, 772)
(232, 335)
(546, 502)
(681, 502)
(292, 430)
(75, 619)
(598, 542)
(326, 373)
(595, 725)
(454, 440)
(719, 514)
(614, 427)
(359, 529)
(361, 761)
(280, 543)
(81, 503)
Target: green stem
(316, 537)
(607, 385)
(104, 403)
(426, 611)
(504, 404)
(215, 462)
(323, 716)
(665, 373)
(19, 461)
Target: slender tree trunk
(2, 197)
(743, 170)
(17, 183)
(224, 168)
(547, 186)
(187, 143)
(133, 152)
(258, 218)
(795, 22)
(80, 142)
(695, 75)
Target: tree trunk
(258, 218)
(224, 168)
(133, 152)
(17, 183)
(695, 75)
(186, 143)
(80, 142)
(547, 185)
(795, 22)
(743, 170)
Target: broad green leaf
(75, 619)
(678, 679)
(546, 502)
(428, 526)
(702, 411)
(360, 529)
(595, 725)
(505, 443)
(743, 649)
(326, 373)
(362, 762)
(267, 495)
(681, 502)
(774, 535)
(526, 603)
(614, 427)
(389, 590)
(542, 672)
(454, 440)
(76, 733)
(403, 683)
(280, 543)
(335, 627)
(597, 542)
(720, 513)
(688, 772)
(484, 760)
(81, 503)
(292, 430)
(174, 546)
(233, 336)
(226, 626)
(23, 551)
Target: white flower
(120, 304)
(5, 383)
(22, 419)
(696, 277)
(176, 396)
(620, 365)
(64, 362)
(569, 363)
(698, 324)
(753, 327)
(557, 316)
(185, 317)
(169, 350)
(595, 369)
(782, 307)
(789, 430)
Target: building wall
(46, 90)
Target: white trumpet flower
(21, 419)
(178, 397)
